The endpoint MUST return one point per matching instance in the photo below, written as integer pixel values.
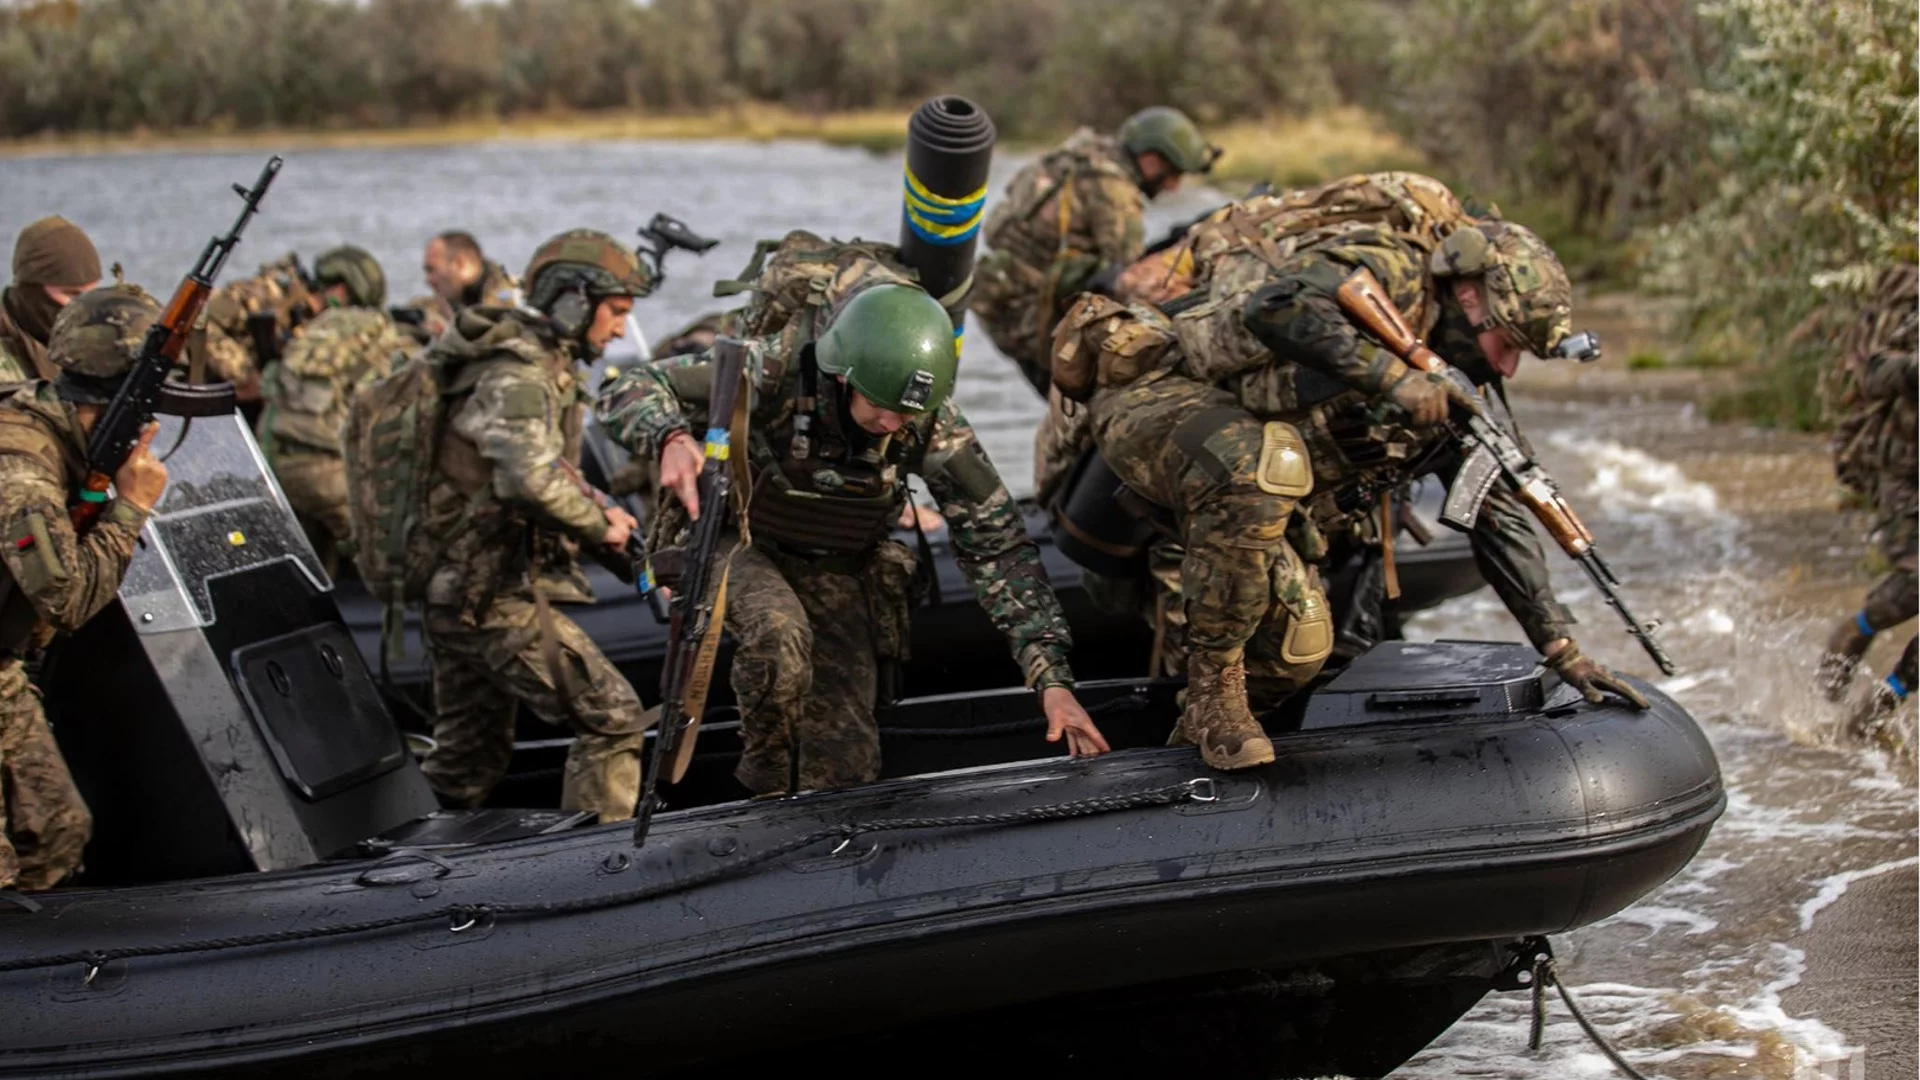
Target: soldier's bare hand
(142, 478)
(620, 526)
(1066, 718)
(680, 462)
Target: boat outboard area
(273, 889)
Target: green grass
(1646, 361)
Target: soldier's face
(447, 273)
(1499, 348)
(609, 320)
(873, 419)
(1159, 173)
(66, 294)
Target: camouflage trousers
(1244, 592)
(316, 488)
(1895, 598)
(809, 641)
(1007, 296)
(483, 669)
(44, 822)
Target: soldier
(350, 343)
(248, 323)
(460, 276)
(1279, 346)
(1076, 215)
(53, 262)
(1876, 449)
(512, 513)
(60, 580)
(850, 397)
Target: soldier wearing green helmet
(58, 580)
(351, 342)
(1075, 217)
(251, 322)
(850, 396)
(511, 513)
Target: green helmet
(355, 268)
(97, 336)
(588, 259)
(1173, 134)
(895, 344)
(1527, 289)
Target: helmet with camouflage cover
(586, 259)
(1526, 287)
(96, 337)
(895, 344)
(357, 269)
(1171, 133)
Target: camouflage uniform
(1876, 451)
(812, 625)
(306, 392)
(65, 580)
(508, 501)
(496, 288)
(22, 356)
(278, 290)
(1065, 218)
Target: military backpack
(392, 432)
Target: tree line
(1755, 156)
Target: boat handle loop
(366, 877)
(1203, 789)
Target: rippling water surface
(1785, 950)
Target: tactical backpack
(392, 432)
(802, 273)
(1271, 227)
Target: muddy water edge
(1787, 948)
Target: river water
(1786, 949)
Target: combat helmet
(357, 269)
(1527, 290)
(95, 339)
(895, 344)
(1173, 134)
(588, 260)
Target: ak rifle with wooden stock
(146, 384)
(1494, 455)
(694, 625)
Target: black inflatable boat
(273, 891)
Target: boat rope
(1545, 974)
(461, 917)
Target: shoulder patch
(523, 401)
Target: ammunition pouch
(1099, 522)
(808, 523)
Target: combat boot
(1216, 717)
(1845, 647)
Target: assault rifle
(146, 383)
(694, 627)
(1493, 455)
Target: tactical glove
(1426, 397)
(1588, 677)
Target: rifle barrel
(1614, 600)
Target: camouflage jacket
(506, 490)
(67, 579)
(648, 403)
(496, 288)
(308, 389)
(280, 290)
(1872, 387)
(21, 356)
(1076, 211)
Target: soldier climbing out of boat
(1071, 222)
(492, 530)
(53, 262)
(459, 276)
(57, 580)
(248, 323)
(1268, 386)
(1876, 454)
(348, 344)
(850, 396)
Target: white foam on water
(1814, 1042)
(1830, 889)
(1658, 917)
